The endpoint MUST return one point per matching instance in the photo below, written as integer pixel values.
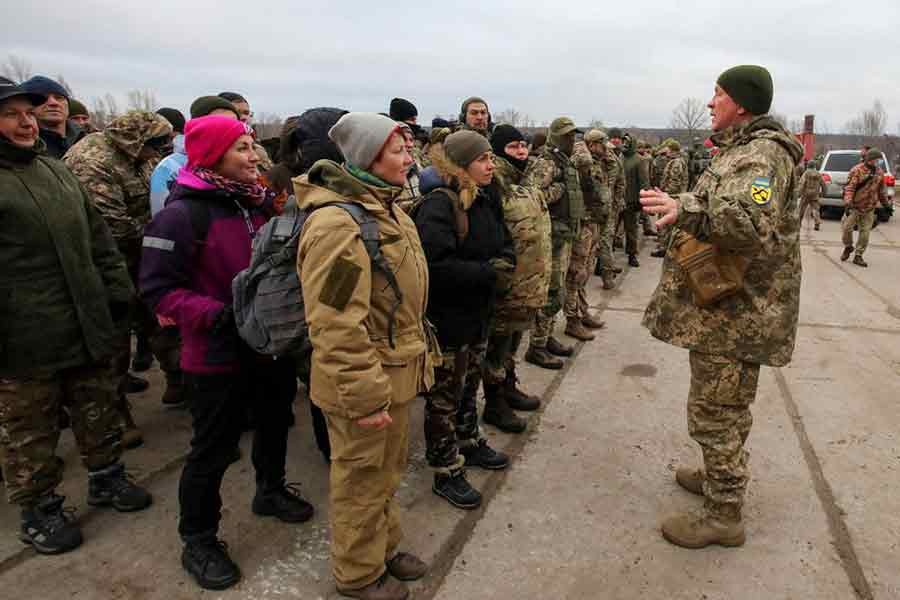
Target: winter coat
(57, 145)
(61, 269)
(357, 369)
(870, 193)
(186, 274)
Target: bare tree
(104, 110)
(691, 115)
(596, 123)
(268, 125)
(142, 100)
(16, 68)
(870, 122)
(510, 116)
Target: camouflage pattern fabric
(607, 167)
(811, 204)
(744, 204)
(451, 415)
(29, 427)
(581, 267)
(863, 219)
(556, 296)
(811, 184)
(865, 188)
(674, 181)
(719, 419)
(500, 358)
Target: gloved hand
(504, 270)
(224, 321)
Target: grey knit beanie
(361, 136)
(465, 146)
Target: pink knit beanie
(206, 139)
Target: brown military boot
(406, 567)
(858, 260)
(515, 397)
(609, 280)
(592, 322)
(702, 529)
(497, 411)
(575, 329)
(383, 588)
(557, 348)
(691, 479)
(542, 358)
(131, 435)
(848, 250)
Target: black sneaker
(482, 455)
(456, 490)
(207, 561)
(112, 486)
(633, 261)
(49, 527)
(283, 502)
(134, 384)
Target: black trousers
(219, 406)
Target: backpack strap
(460, 216)
(368, 228)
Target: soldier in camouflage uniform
(600, 207)
(644, 150)
(811, 186)
(674, 181)
(745, 206)
(114, 166)
(579, 321)
(555, 172)
(864, 191)
(616, 175)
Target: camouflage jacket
(811, 184)
(674, 179)
(107, 165)
(555, 172)
(526, 216)
(597, 193)
(616, 172)
(744, 203)
(865, 188)
(659, 167)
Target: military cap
(562, 126)
(595, 136)
(673, 145)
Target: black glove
(119, 310)
(224, 320)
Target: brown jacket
(355, 372)
(871, 193)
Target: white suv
(835, 169)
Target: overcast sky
(623, 62)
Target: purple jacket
(188, 279)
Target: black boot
(557, 348)
(174, 394)
(112, 486)
(516, 398)
(49, 527)
(206, 559)
(498, 413)
(131, 434)
(482, 455)
(284, 502)
(633, 261)
(134, 384)
(456, 490)
(143, 357)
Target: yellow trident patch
(761, 190)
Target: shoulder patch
(761, 190)
(340, 284)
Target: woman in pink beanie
(192, 250)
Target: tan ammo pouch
(711, 274)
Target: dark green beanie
(77, 108)
(465, 146)
(750, 86)
(204, 105)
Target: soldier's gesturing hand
(657, 202)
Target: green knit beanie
(750, 86)
(463, 147)
(204, 105)
(77, 108)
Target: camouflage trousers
(451, 412)
(29, 427)
(581, 267)
(662, 238)
(864, 220)
(719, 419)
(500, 358)
(604, 253)
(556, 295)
(810, 203)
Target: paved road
(576, 516)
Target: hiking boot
(406, 567)
(658, 253)
(383, 588)
(174, 394)
(516, 398)
(575, 329)
(456, 490)
(609, 280)
(691, 479)
(283, 502)
(633, 261)
(483, 456)
(135, 385)
(557, 348)
(858, 260)
(112, 486)
(49, 527)
(816, 226)
(208, 562)
(131, 435)
(498, 413)
(143, 357)
(542, 358)
(702, 529)
(592, 322)
(848, 250)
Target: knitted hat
(361, 136)
(9, 88)
(174, 117)
(402, 109)
(439, 122)
(204, 105)
(463, 147)
(45, 86)
(465, 107)
(873, 154)
(77, 108)
(615, 132)
(503, 135)
(750, 86)
(206, 139)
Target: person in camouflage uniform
(579, 321)
(864, 191)
(555, 172)
(811, 186)
(644, 150)
(114, 166)
(599, 208)
(637, 178)
(745, 206)
(616, 175)
(674, 181)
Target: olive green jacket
(61, 268)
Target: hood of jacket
(131, 131)
(328, 182)
(762, 127)
(453, 176)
